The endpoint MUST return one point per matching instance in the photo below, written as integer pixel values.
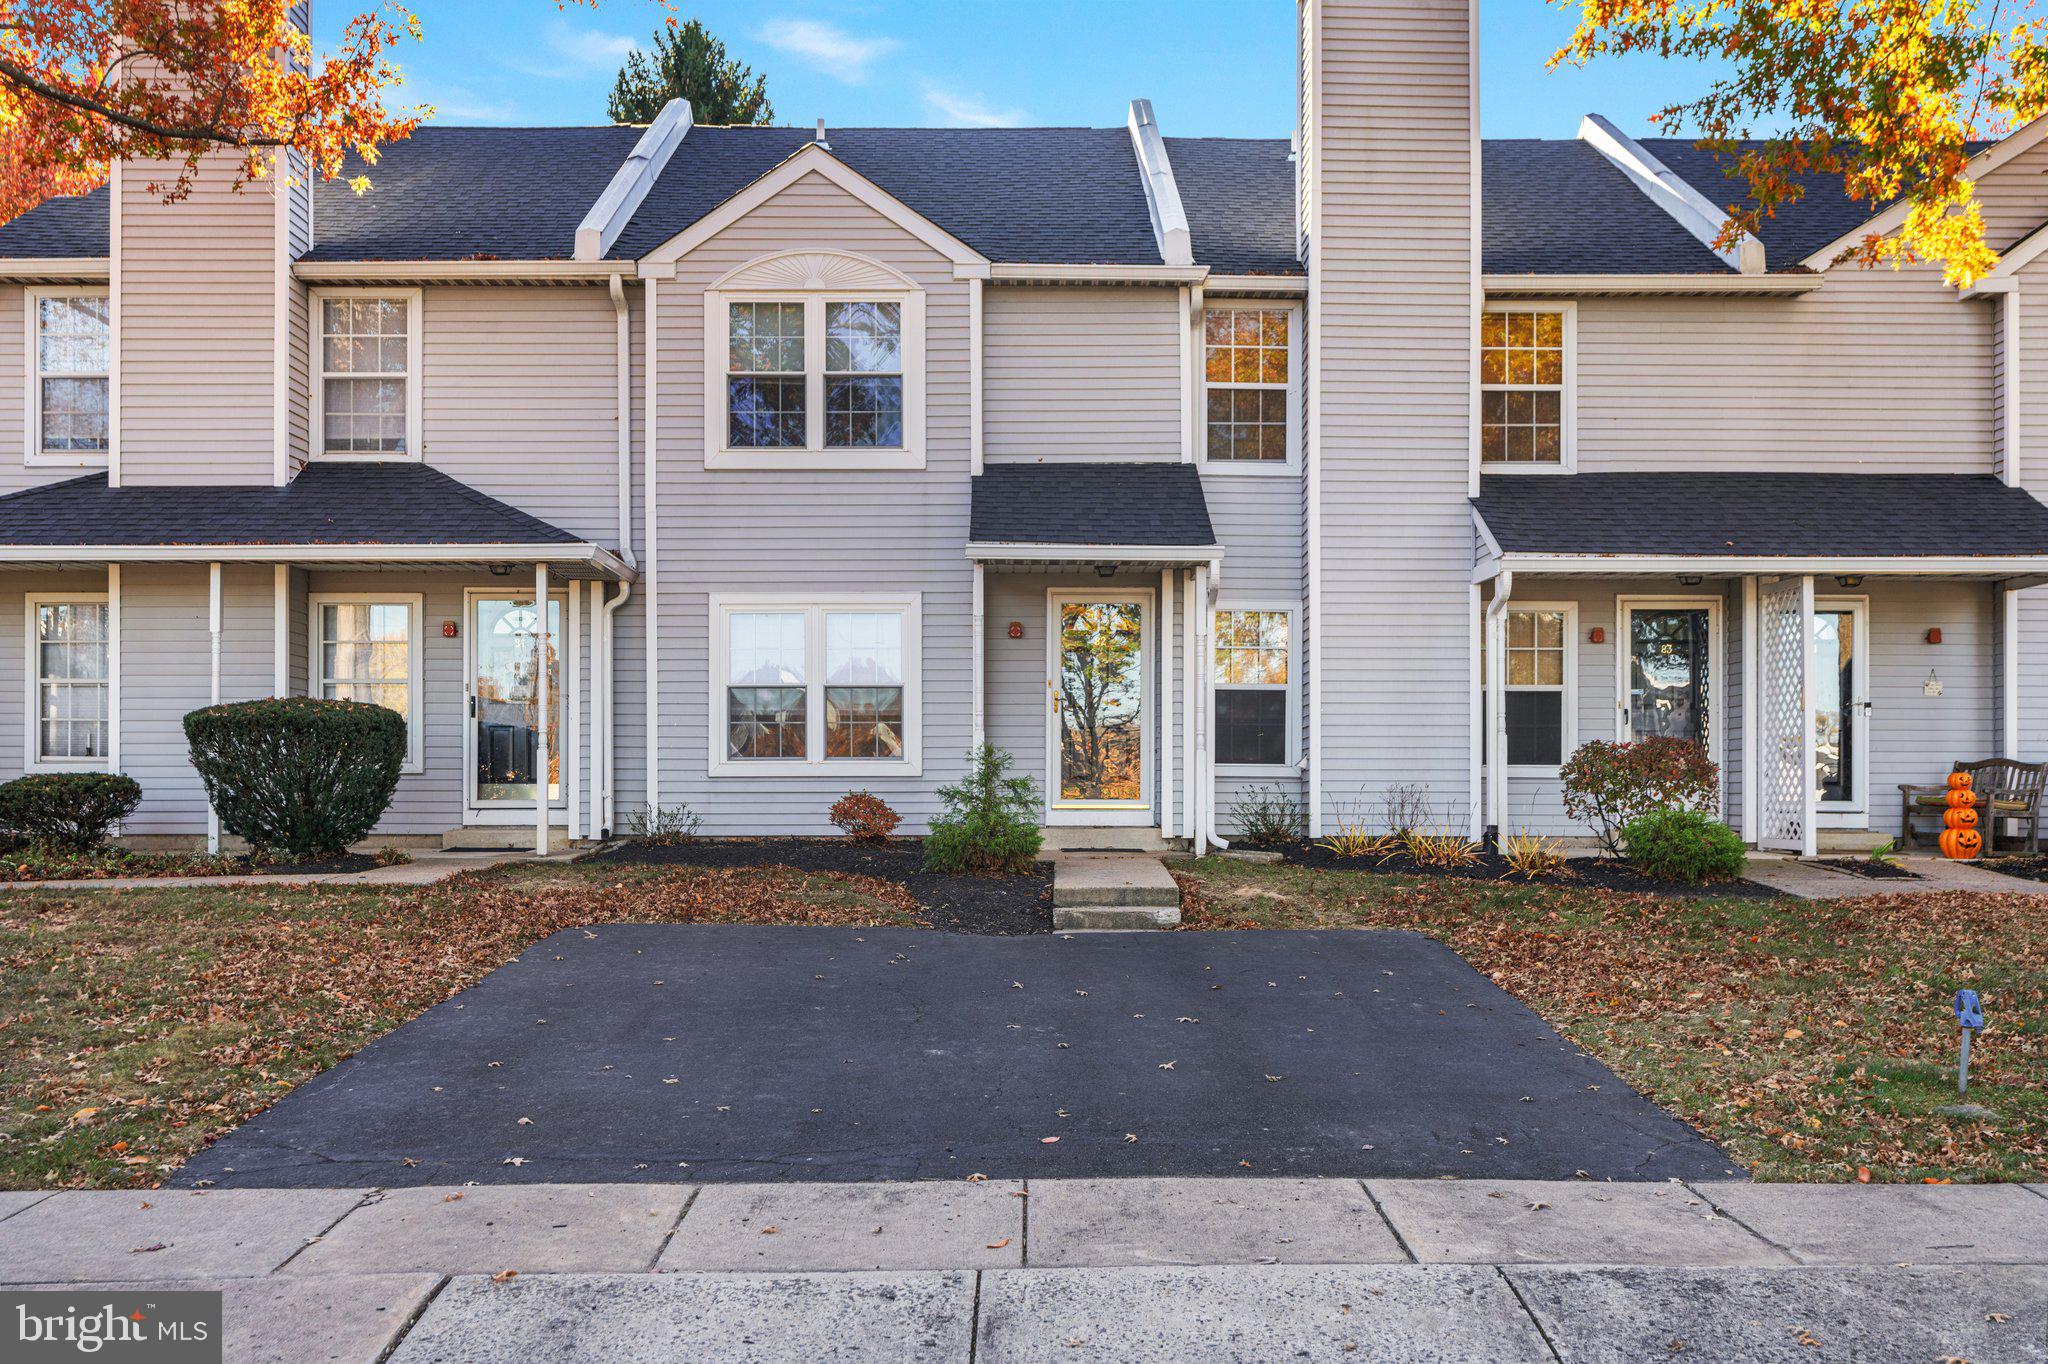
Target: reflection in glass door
(504, 699)
(1099, 701)
(1669, 673)
(1839, 705)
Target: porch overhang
(1091, 512)
(577, 560)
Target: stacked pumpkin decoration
(1959, 836)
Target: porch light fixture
(1105, 570)
(1848, 580)
(501, 570)
(1689, 580)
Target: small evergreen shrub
(1268, 817)
(70, 810)
(665, 826)
(298, 777)
(1608, 784)
(1683, 845)
(990, 822)
(864, 817)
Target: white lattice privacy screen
(1784, 714)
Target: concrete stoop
(1112, 890)
(501, 838)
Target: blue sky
(1218, 67)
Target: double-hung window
(826, 375)
(1254, 688)
(72, 640)
(367, 647)
(1249, 394)
(1539, 695)
(68, 421)
(799, 685)
(366, 356)
(1525, 387)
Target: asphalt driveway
(695, 1053)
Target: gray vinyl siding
(733, 532)
(1085, 373)
(1258, 519)
(1394, 255)
(2032, 371)
(198, 328)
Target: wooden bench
(2008, 792)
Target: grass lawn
(137, 1023)
(1811, 1040)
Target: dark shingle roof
(471, 194)
(1088, 503)
(1728, 514)
(1239, 198)
(71, 226)
(1554, 207)
(328, 504)
(1013, 194)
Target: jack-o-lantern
(1960, 781)
(1961, 798)
(1963, 817)
(1961, 844)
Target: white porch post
(544, 730)
(213, 690)
(280, 629)
(1190, 671)
(1752, 710)
(1787, 796)
(1166, 703)
(2009, 671)
(979, 613)
(1809, 742)
(113, 667)
(572, 742)
(1496, 711)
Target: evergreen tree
(690, 63)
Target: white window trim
(415, 449)
(415, 723)
(911, 764)
(1292, 766)
(32, 676)
(32, 411)
(814, 455)
(1568, 454)
(1254, 468)
(1569, 739)
(1717, 669)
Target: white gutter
(1062, 273)
(995, 551)
(630, 183)
(55, 269)
(1291, 286)
(581, 554)
(1550, 286)
(1687, 207)
(459, 271)
(1162, 196)
(1944, 566)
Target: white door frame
(1853, 813)
(509, 811)
(1717, 669)
(1140, 812)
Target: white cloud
(459, 104)
(829, 49)
(968, 111)
(574, 52)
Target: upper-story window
(1525, 387)
(67, 376)
(1250, 388)
(814, 360)
(366, 355)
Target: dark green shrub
(296, 776)
(990, 823)
(1683, 845)
(1608, 784)
(71, 810)
(1267, 817)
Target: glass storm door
(505, 757)
(1099, 703)
(1669, 673)
(1841, 705)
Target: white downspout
(543, 748)
(979, 651)
(650, 610)
(611, 608)
(1166, 703)
(213, 691)
(572, 729)
(1191, 779)
(1496, 756)
(623, 315)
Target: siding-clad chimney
(1388, 147)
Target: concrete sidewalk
(1134, 1269)
(1811, 880)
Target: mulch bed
(1867, 867)
(1597, 873)
(1002, 906)
(319, 865)
(2031, 868)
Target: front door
(1841, 680)
(1099, 708)
(1670, 670)
(504, 746)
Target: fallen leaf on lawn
(1862, 1174)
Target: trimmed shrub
(1268, 817)
(990, 822)
(1607, 784)
(72, 810)
(864, 817)
(296, 776)
(666, 827)
(1683, 845)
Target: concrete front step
(1071, 838)
(501, 837)
(1112, 890)
(1115, 916)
